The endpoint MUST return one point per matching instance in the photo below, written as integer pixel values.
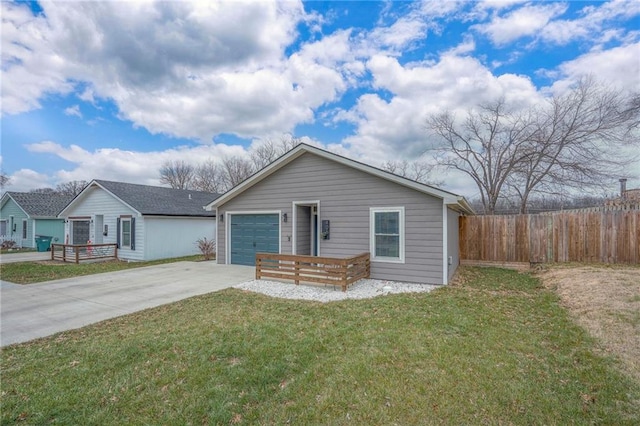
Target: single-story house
(314, 202)
(25, 215)
(146, 222)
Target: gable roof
(153, 200)
(454, 201)
(38, 205)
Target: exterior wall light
(284, 217)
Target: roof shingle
(37, 204)
(157, 200)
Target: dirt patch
(605, 300)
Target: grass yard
(34, 272)
(495, 349)
(16, 251)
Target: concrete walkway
(28, 256)
(37, 310)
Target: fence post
(77, 250)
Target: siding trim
(401, 231)
(445, 239)
(227, 229)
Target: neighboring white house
(147, 222)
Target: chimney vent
(189, 196)
(623, 187)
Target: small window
(24, 229)
(125, 225)
(387, 234)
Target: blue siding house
(25, 215)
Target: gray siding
(346, 195)
(453, 246)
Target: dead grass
(605, 300)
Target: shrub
(8, 244)
(207, 248)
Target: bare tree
(210, 177)
(419, 171)
(236, 169)
(4, 179)
(574, 140)
(71, 188)
(177, 174)
(487, 146)
(43, 191)
(269, 150)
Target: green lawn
(33, 272)
(498, 350)
(16, 251)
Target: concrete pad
(37, 310)
(29, 256)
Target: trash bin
(43, 243)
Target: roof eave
(303, 148)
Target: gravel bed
(362, 289)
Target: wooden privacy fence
(589, 235)
(313, 269)
(78, 252)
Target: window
(24, 229)
(387, 234)
(125, 225)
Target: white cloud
(28, 71)
(395, 128)
(525, 21)
(592, 24)
(619, 67)
(24, 180)
(73, 110)
(183, 69)
(124, 165)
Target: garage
(251, 234)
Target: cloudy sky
(111, 90)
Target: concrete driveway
(38, 310)
(28, 256)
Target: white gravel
(362, 289)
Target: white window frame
(122, 221)
(372, 234)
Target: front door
(253, 233)
(79, 231)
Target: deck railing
(313, 269)
(78, 252)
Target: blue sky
(111, 90)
